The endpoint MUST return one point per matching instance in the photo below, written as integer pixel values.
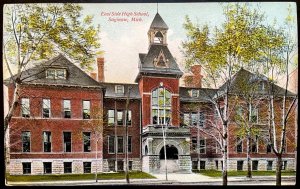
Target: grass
(215, 173)
(101, 176)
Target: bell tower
(157, 33)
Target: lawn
(101, 176)
(214, 173)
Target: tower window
(158, 38)
(161, 106)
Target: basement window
(67, 167)
(26, 168)
(47, 167)
(87, 167)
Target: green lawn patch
(215, 173)
(101, 176)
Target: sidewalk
(173, 178)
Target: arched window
(161, 106)
(158, 38)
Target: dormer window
(261, 86)
(161, 60)
(119, 89)
(56, 73)
(194, 93)
(158, 38)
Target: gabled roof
(158, 23)
(75, 76)
(110, 91)
(147, 62)
(247, 78)
(205, 94)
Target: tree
(278, 54)
(33, 32)
(95, 125)
(221, 54)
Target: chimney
(100, 64)
(194, 80)
(93, 75)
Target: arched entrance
(172, 159)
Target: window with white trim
(161, 106)
(46, 108)
(111, 144)
(202, 146)
(47, 140)
(26, 167)
(111, 117)
(67, 141)
(86, 109)
(25, 107)
(67, 108)
(25, 141)
(119, 89)
(56, 73)
(86, 141)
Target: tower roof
(158, 23)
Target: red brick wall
(56, 124)
(147, 85)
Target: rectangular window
(26, 141)
(269, 148)
(284, 165)
(269, 165)
(46, 108)
(47, 167)
(186, 119)
(194, 143)
(154, 116)
(120, 166)
(67, 167)
(254, 143)
(202, 164)
(239, 145)
(60, 74)
(254, 115)
(25, 107)
(26, 168)
(239, 111)
(194, 165)
(240, 165)
(111, 117)
(129, 144)
(87, 167)
(120, 144)
(201, 119)
(111, 165)
(67, 108)
(130, 165)
(50, 74)
(67, 142)
(119, 89)
(47, 141)
(129, 117)
(111, 144)
(86, 141)
(195, 119)
(254, 165)
(120, 117)
(56, 74)
(86, 109)
(217, 164)
(202, 146)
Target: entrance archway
(172, 152)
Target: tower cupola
(157, 33)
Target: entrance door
(172, 159)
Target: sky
(122, 41)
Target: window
(26, 141)
(202, 146)
(25, 108)
(194, 165)
(254, 144)
(46, 108)
(67, 142)
(26, 168)
(202, 164)
(129, 144)
(111, 144)
(129, 117)
(217, 164)
(195, 119)
(158, 38)
(161, 106)
(120, 166)
(111, 165)
(56, 74)
(87, 167)
(111, 117)
(67, 109)
(201, 119)
(86, 109)
(119, 89)
(120, 144)
(239, 111)
(67, 167)
(239, 145)
(194, 143)
(269, 165)
(283, 165)
(120, 117)
(254, 115)
(221, 165)
(194, 93)
(47, 141)
(130, 165)
(269, 148)
(186, 119)
(261, 86)
(240, 165)
(86, 141)
(47, 167)
(254, 165)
